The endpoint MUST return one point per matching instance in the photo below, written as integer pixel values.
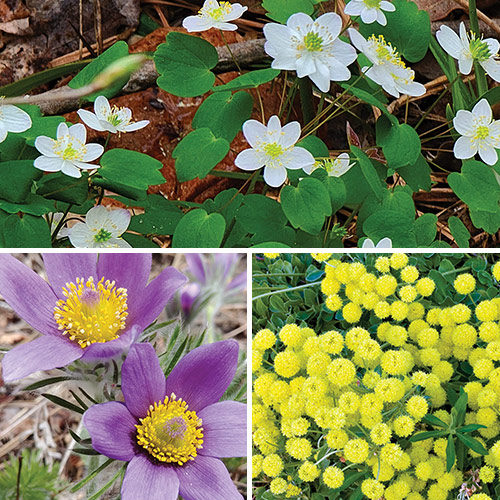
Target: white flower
(68, 153)
(102, 229)
(54, 220)
(370, 10)
(383, 243)
(469, 49)
(273, 147)
(12, 119)
(335, 167)
(215, 14)
(110, 119)
(480, 133)
(388, 69)
(311, 47)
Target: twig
(481, 16)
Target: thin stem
(287, 290)
(18, 487)
(482, 84)
(61, 223)
(306, 99)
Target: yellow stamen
(273, 150)
(482, 132)
(170, 432)
(92, 313)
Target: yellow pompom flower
(382, 309)
(425, 287)
(349, 402)
(427, 337)
(278, 486)
(480, 496)
(398, 260)
(464, 336)
(386, 285)
(465, 283)
(321, 257)
(341, 372)
(380, 434)
(308, 472)
(271, 255)
(409, 274)
(355, 337)
(330, 286)
(486, 311)
(292, 491)
(334, 302)
(291, 335)
(333, 477)
(256, 465)
(399, 310)
(264, 339)
(408, 293)
(299, 448)
(286, 364)
(332, 342)
(352, 312)
(336, 438)
(372, 489)
(390, 390)
(356, 450)
(489, 331)
(396, 362)
(272, 465)
(317, 363)
(417, 407)
(460, 313)
(495, 270)
(404, 426)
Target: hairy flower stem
(287, 290)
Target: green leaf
(306, 205)
(488, 221)
(425, 229)
(91, 476)
(250, 80)
(476, 186)
(224, 114)
(156, 221)
(33, 204)
(281, 10)
(117, 187)
(45, 382)
(400, 143)
(369, 172)
(433, 420)
(61, 187)
(471, 428)
(137, 241)
(184, 63)
(42, 125)
(26, 232)
(418, 175)
(473, 444)
(65, 404)
(315, 146)
(88, 74)
(459, 232)
(131, 168)
(393, 225)
(17, 178)
(461, 407)
(426, 435)
(408, 29)
(450, 453)
(197, 229)
(337, 191)
(198, 153)
(226, 203)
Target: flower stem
(482, 84)
(306, 99)
(287, 290)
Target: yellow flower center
(482, 132)
(479, 49)
(102, 236)
(385, 51)
(372, 3)
(69, 148)
(92, 313)
(216, 11)
(313, 42)
(170, 432)
(273, 150)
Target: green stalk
(306, 99)
(482, 83)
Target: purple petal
(147, 481)
(112, 429)
(188, 295)
(44, 353)
(154, 298)
(206, 478)
(130, 271)
(102, 350)
(195, 263)
(203, 375)
(143, 381)
(238, 283)
(28, 294)
(66, 267)
(226, 261)
(224, 429)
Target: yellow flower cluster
(328, 403)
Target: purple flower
(90, 309)
(173, 431)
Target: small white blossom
(273, 147)
(12, 119)
(383, 243)
(102, 229)
(110, 119)
(335, 167)
(370, 10)
(468, 49)
(215, 14)
(68, 153)
(480, 133)
(311, 47)
(388, 69)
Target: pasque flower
(110, 119)
(388, 69)
(311, 47)
(12, 119)
(467, 49)
(370, 10)
(102, 229)
(68, 153)
(215, 14)
(480, 133)
(173, 431)
(90, 308)
(273, 147)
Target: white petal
(384, 243)
(80, 236)
(96, 217)
(291, 135)
(464, 123)
(354, 8)
(45, 145)
(357, 39)
(136, 126)
(463, 36)
(3, 132)
(278, 39)
(465, 63)
(493, 44)
(226, 26)
(249, 160)
(274, 125)
(237, 12)
(14, 118)
(450, 41)
(48, 164)
(299, 21)
(70, 169)
(79, 132)
(413, 89)
(298, 158)
(85, 166)
(275, 176)
(284, 61)
(381, 19)
(343, 52)
(62, 130)
(483, 110)
(118, 221)
(93, 152)
(321, 78)
(492, 68)
(387, 6)
(101, 107)
(338, 72)
(464, 148)
(331, 22)
(116, 243)
(488, 154)
(196, 23)
(254, 132)
(305, 65)
(90, 120)
(369, 16)
(368, 243)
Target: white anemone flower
(335, 167)
(102, 229)
(467, 49)
(383, 243)
(388, 70)
(12, 119)
(370, 10)
(311, 48)
(273, 147)
(110, 119)
(68, 153)
(215, 14)
(480, 133)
